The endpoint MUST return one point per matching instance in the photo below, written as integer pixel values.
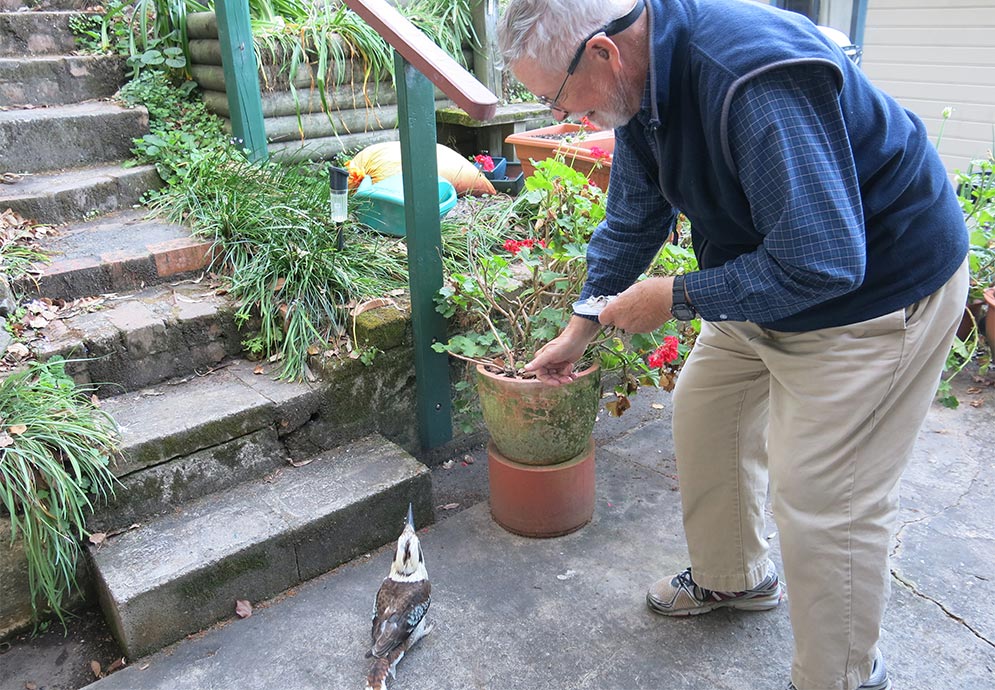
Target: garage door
(934, 54)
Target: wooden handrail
(428, 58)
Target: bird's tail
(376, 679)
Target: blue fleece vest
(703, 52)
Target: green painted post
(241, 77)
(420, 169)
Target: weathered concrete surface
(184, 571)
(36, 33)
(514, 613)
(67, 136)
(59, 79)
(173, 421)
(142, 496)
(144, 339)
(68, 196)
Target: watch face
(683, 312)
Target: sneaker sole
(754, 604)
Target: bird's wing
(400, 607)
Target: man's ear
(601, 47)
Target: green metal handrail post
(420, 171)
(238, 59)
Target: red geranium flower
(600, 154)
(485, 162)
(586, 124)
(515, 246)
(665, 354)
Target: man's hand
(554, 361)
(642, 308)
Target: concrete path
(516, 613)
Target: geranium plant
(518, 296)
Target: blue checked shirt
(793, 157)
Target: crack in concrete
(909, 585)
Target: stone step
(185, 571)
(59, 79)
(119, 252)
(72, 195)
(189, 437)
(67, 136)
(23, 5)
(36, 33)
(126, 342)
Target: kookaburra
(400, 608)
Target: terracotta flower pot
(990, 318)
(967, 323)
(535, 424)
(541, 501)
(536, 145)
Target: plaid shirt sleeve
(637, 222)
(790, 145)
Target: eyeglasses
(610, 29)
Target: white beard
(616, 113)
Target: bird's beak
(411, 517)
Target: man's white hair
(549, 31)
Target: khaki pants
(832, 415)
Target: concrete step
(126, 342)
(59, 79)
(36, 33)
(24, 5)
(67, 136)
(71, 195)
(185, 571)
(245, 426)
(119, 252)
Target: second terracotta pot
(990, 318)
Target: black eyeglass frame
(613, 27)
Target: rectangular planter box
(542, 143)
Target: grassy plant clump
(274, 238)
(56, 448)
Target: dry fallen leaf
(94, 400)
(5, 440)
(95, 667)
(259, 369)
(18, 350)
(243, 609)
(116, 664)
(450, 506)
(98, 538)
(657, 406)
(372, 304)
(17, 429)
(30, 686)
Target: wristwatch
(681, 308)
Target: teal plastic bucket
(380, 205)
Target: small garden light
(338, 197)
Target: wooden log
(202, 25)
(313, 126)
(306, 101)
(327, 148)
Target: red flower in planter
(600, 154)
(485, 162)
(515, 246)
(586, 124)
(665, 354)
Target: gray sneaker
(681, 596)
(879, 679)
